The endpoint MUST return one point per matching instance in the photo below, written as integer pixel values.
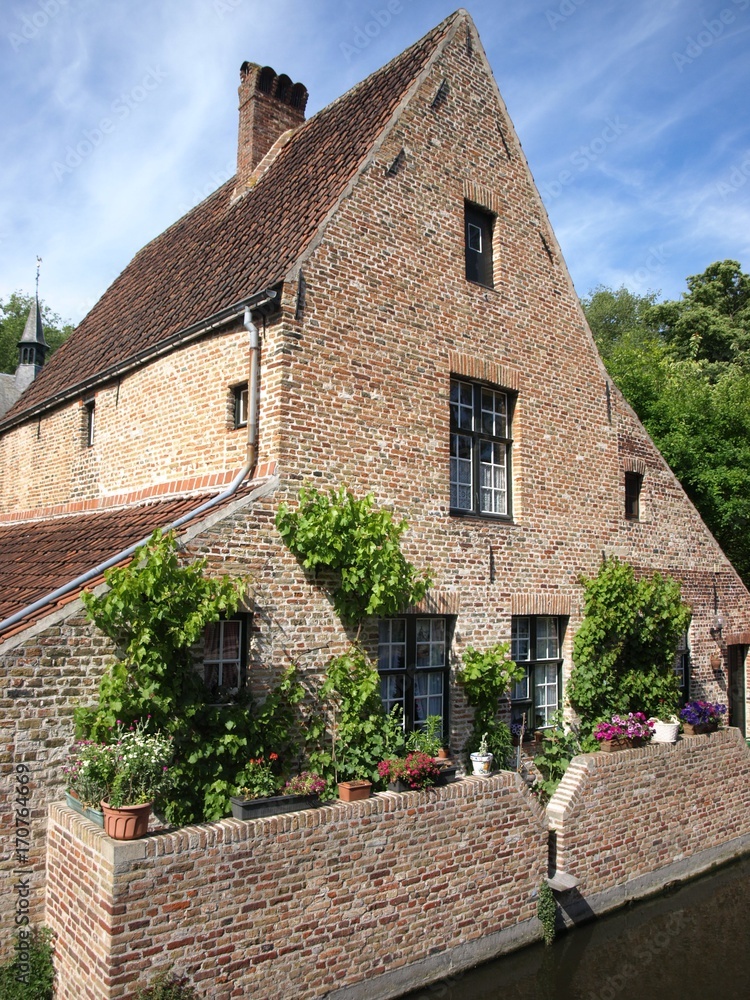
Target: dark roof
(8, 392)
(33, 332)
(222, 252)
(38, 557)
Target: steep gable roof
(223, 251)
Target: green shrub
(30, 975)
(486, 677)
(624, 651)
(361, 544)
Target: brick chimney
(269, 106)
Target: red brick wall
(622, 815)
(300, 904)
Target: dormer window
(478, 226)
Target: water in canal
(689, 944)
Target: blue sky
(119, 116)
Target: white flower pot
(481, 763)
(665, 732)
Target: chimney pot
(270, 105)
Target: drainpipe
(252, 389)
(245, 471)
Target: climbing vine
(361, 544)
(546, 911)
(155, 610)
(624, 651)
(485, 677)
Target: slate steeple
(32, 346)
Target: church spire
(32, 346)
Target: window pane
(494, 413)
(462, 406)
(430, 642)
(492, 473)
(428, 696)
(545, 694)
(392, 691)
(520, 689)
(475, 238)
(212, 641)
(547, 643)
(519, 641)
(461, 478)
(392, 644)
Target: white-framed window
(480, 449)
(239, 395)
(223, 655)
(413, 666)
(536, 644)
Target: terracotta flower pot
(352, 791)
(127, 822)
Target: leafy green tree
(624, 650)
(711, 322)
(13, 316)
(684, 367)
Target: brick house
(385, 274)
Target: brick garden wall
(621, 817)
(300, 905)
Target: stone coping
(169, 841)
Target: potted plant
(87, 771)
(481, 759)
(130, 772)
(415, 771)
(665, 732)
(353, 791)
(429, 738)
(702, 717)
(260, 791)
(622, 733)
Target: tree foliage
(13, 316)
(361, 544)
(155, 611)
(624, 651)
(684, 366)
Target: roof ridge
(223, 250)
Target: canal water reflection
(689, 944)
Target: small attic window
(478, 225)
(239, 395)
(89, 407)
(633, 484)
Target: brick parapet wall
(624, 815)
(296, 905)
